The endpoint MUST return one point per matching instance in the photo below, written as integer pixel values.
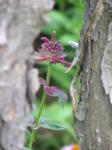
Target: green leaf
(52, 125)
(59, 79)
(66, 37)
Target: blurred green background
(66, 19)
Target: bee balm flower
(52, 51)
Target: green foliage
(54, 112)
(48, 139)
(66, 19)
(56, 139)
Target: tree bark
(94, 110)
(20, 23)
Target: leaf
(53, 125)
(61, 116)
(59, 79)
(55, 91)
(66, 37)
(59, 17)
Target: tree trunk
(20, 23)
(94, 110)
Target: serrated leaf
(52, 125)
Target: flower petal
(66, 63)
(39, 57)
(60, 59)
(45, 39)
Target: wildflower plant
(53, 52)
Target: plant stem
(41, 108)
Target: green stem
(41, 108)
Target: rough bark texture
(94, 111)
(20, 23)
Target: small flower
(52, 51)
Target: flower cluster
(52, 51)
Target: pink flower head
(52, 51)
